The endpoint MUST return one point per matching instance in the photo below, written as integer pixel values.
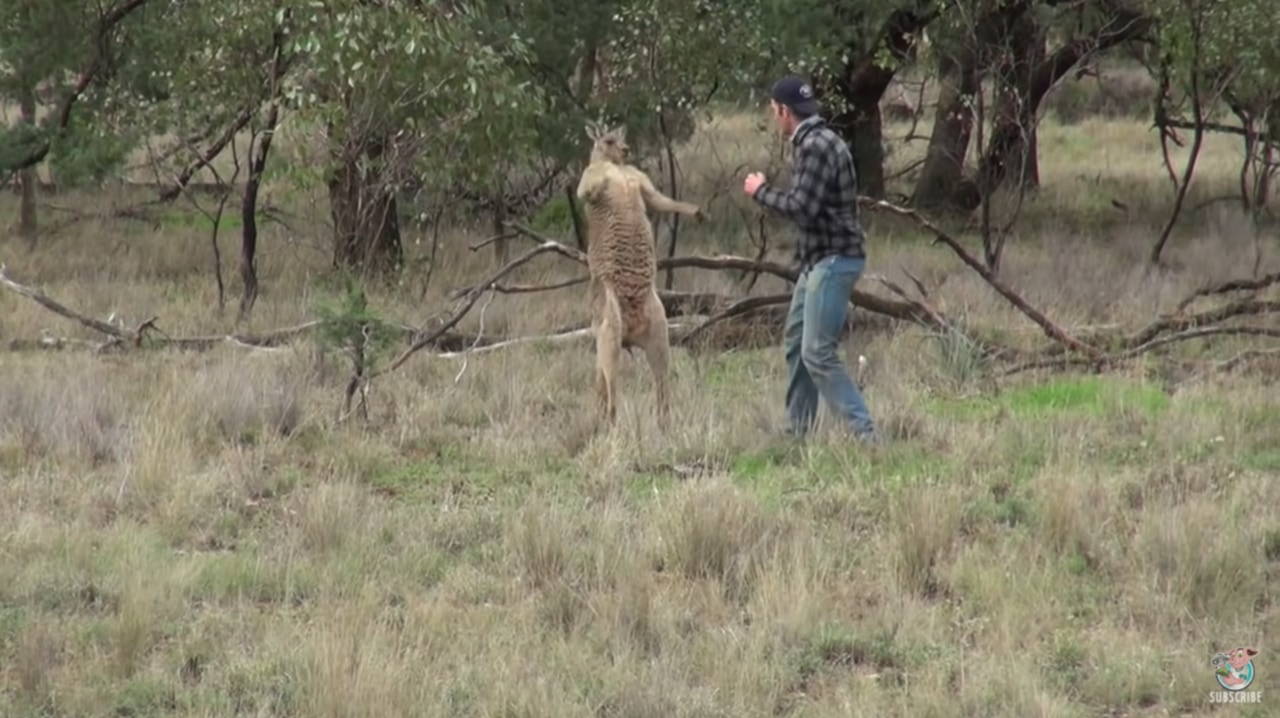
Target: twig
(531, 288)
(562, 336)
(893, 287)
(522, 288)
(924, 291)
(762, 246)
(470, 300)
(738, 308)
(479, 335)
(491, 240)
(1245, 357)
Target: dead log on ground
(1050, 328)
(901, 310)
(148, 333)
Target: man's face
(781, 116)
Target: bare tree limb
(532, 288)
(1145, 347)
(1234, 285)
(39, 297)
(1178, 323)
(897, 310)
(205, 159)
(470, 299)
(738, 308)
(119, 336)
(935, 315)
(1051, 328)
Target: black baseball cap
(797, 94)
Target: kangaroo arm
(659, 202)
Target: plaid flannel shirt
(823, 199)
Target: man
(822, 202)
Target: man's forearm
(767, 197)
(803, 198)
(789, 204)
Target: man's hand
(753, 183)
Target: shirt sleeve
(803, 199)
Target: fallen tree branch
(534, 288)
(53, 305)
(469, 301)
(904, 311)
(120, 337)
(738, 308)
(446, 343)
(1182, 323)
(1051, 328)
(1245, 357)
(893, 287)
(1103, 362)
(50, 343)
(1234, 285)
(555, 338)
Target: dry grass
(187, 535)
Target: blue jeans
(819, 307)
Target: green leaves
(1229, 44)
(45, 41)
(88, 152)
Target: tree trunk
(249, 214)
(1011, 150)
(366, 223)
(864, 79)
(1122, 26)
(501, 245)
(28, 225)
(942, 184)
(862, 127)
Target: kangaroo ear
(621, 132)
(591, 130)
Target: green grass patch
(455, 469)
(738, 373)
(1263, 459)
(1093, 396)
(782, 470)
(186, 219)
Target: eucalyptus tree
(1027, 47)
(1217, 55)
(651, 65)
(852, 50)
(72, 52)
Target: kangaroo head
(608, 144)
